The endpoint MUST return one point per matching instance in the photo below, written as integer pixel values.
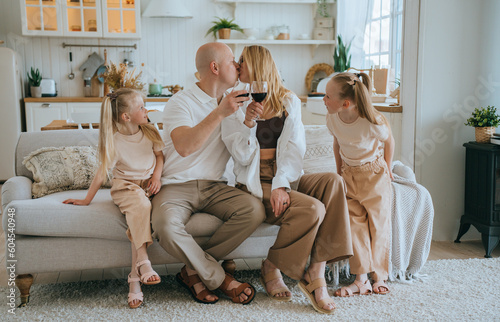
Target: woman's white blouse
(242, 143)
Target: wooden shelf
(314, 44)
(272, 1)
(276, 42)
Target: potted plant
(35, 79)
(341, 56)
(485, 120)
(322, 8)
(223, 27)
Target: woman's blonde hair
(357, 88)
(261, 67)
(112, 108)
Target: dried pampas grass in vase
(120, 77)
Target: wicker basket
(483, 134)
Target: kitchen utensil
(106, 86)
(156, 88)
(100, 71)
(71, 74)
(174, 88)
(90, 66)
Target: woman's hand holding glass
(254, 110)
(259, 93)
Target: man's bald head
(208, 53)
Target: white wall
(459, 48)
(168, 45)
(490, 45)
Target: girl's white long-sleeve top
(241, 141)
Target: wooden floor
(439, 250)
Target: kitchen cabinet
(42, 113)
(41, 18)
(39, 114)
(84, 107)
(81, 18)
(242, 17)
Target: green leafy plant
(222, 24)
(484, 117)
(35, 78)
(322, 8)
(341, 56)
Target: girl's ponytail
(363, 99)
(107, 128)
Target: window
(383, 34)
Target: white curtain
(352, 17)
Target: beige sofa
(52, 237)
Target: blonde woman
(133, 149)
(311, 210)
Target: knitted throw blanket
(412, 218)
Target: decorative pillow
(319, 155)
(60, 169)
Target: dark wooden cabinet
(482, 193)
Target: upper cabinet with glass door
(41, 17)
(121, 18)
(82, 18)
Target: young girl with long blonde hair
(133, 149)
(363, 146)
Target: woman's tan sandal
(146, 276)
(188, 281)
(378, 285)
(363, 289)
(235, 293)
(274, 275)
(309, 288)
(134, 296)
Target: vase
(483, 134)
(224, 33)
(36, 91)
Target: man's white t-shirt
(188, 108)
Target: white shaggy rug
(454, 290)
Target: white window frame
(409, 89)
(395, 32)
(410, 61)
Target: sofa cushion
(48, 216)
(319, 155)
(61, 168)
(31, 141)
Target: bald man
(192, 180)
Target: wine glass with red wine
(259, 93)
(243, 86)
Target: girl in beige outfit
(133, 148)
(310, 209)
(363, 146)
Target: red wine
(243, 95)
(259, 97)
